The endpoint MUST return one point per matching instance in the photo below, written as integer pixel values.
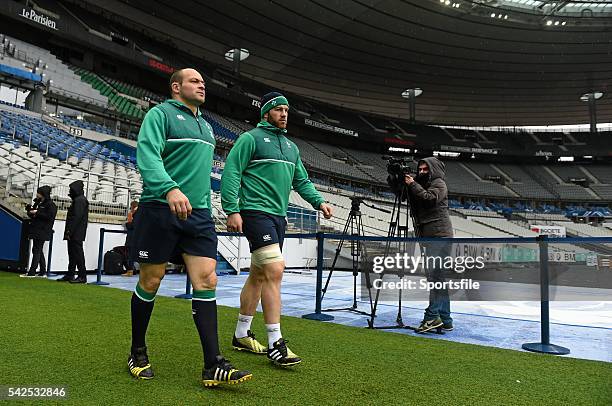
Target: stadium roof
(475, 67)
(586, 9)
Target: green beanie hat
(271, 100)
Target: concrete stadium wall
(59, 259)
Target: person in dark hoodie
(428, 196)
(42, 214)
(74, 233)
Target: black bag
(113, 263)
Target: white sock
(274, 334)
(243, 325)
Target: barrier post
(187, 294)
(100, 260)
(544, 346)
(49, 255)
(317, 315)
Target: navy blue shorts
(262, 229)
(159, 236)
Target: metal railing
(107, 194)
(79, 97)
(19, 177)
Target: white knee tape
(266, 255)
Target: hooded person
(75, 232)
(42, 215)
(428, 196)
(429, 199)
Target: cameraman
(428, 196)
(42, 214)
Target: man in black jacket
(75, 232)
(428, 196)
(42, 214)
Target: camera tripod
(396, 229)
(355, 225)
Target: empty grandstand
(478, 84)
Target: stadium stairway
(85, 124)
(132, 90)
(14, 203)
(601, 248)
(224, 267)
(65, 83)
(498, 228)
(124, 105)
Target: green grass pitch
(78, 336)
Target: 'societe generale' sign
(39, 18)
(328, 127)
(318, 124)
(160, 66)
(550, 231)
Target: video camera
(355, 202)
(398, 168)
(29, 207)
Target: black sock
(142, 307)
(204, 311)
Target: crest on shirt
(288, 144)
(267, 139)
(180, 117)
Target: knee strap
(266, 255)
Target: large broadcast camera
(398, 168)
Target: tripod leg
(360, 232)
(390, 233)
(356, 253)
(374, 307)
(394, 227)
(354, 292)
(338, 249)
(399, 320)
(403, 232)
(369, 286)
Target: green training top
(175, 150)
(260, 170)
